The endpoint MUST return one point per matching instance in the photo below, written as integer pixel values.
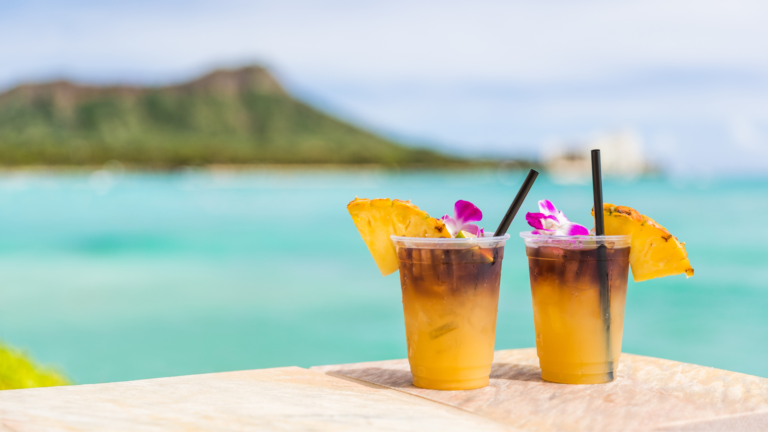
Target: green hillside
(226, 117)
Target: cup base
(566, 378)
(437, 384)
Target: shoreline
(121, 167)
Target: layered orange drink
(575, 340)
(450, 299)
(579, 286)
(449, 276)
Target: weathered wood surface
(649, 394)
(282, 399)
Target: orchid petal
(482, 232)
(472, 229)
(538, 220)
(543, 232)
(573, 229)
(547, 207)
(451, 224)
(551, 221)
(465, 211)
(534, 220)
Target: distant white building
(621, 155)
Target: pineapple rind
(378, 219)
(654, 252)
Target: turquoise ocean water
(121, 277)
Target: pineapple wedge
(654, 251)
(378, 219)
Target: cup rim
(487, 238)
(528, 235)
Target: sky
(483, 77)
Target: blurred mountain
(225, 117)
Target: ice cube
(443, 330)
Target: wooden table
(649, 395)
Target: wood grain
(649, 394)
(282, 399)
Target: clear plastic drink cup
(579, 324)
(450, 300)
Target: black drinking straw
(516, 203)
(602, 264)
(597, 192)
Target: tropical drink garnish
(655, 252)
(379, 219)
(460, 226)
(551, 221)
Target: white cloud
(394, 40)
(498, 75)
(747, 135)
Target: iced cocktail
(578, 331)
(579, 285)
(450, 300)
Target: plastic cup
(450, 300)
(578, 331)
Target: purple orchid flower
(464, 212)
(551, 221)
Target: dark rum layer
(577, 267)
(454, 271)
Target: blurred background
(175, 174)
